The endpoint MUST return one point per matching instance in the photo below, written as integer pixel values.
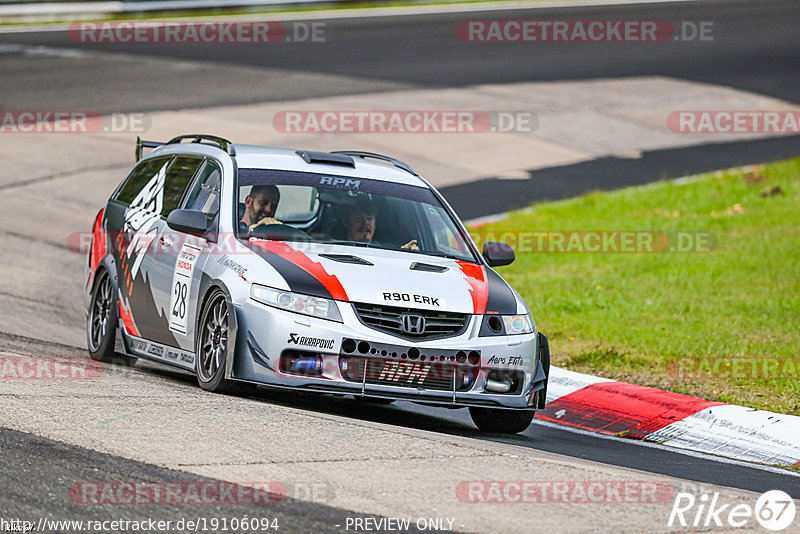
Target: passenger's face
(360, 227)
(260, 205)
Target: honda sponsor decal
(181, 284)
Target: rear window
(178, 177)
(139, 177)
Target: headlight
(506, 325)
(295, 302)
(518, 324)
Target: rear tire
(212, 352)
(101, 324)
(501, 421)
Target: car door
(132, 215)
(163, 249)
(203, 195)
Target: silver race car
(343, 273)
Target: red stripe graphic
(127, 320)
(479, 289)
(98, 249)
(315, 269)
(621, 409)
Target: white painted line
(730, 430)
(685, 452)
(563, 382)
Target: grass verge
(720, 321)
(254, 12)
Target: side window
(138, 178)
(205, 191)
(444, 233)
(178, 177)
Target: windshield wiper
(438, 254)
(349, 243)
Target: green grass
(259, 10)
(628, 315)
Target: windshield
(358, 212)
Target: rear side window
(139, 177)
(178, 178)
(205, 191)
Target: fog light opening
(296, 364)
(498, 386)
(504, 381)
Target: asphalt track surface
(37, 472)
(760, 52)
(756, 47)
(55, 466)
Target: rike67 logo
(774, 510)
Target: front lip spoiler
(445, 402)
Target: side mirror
(192, 222)
(498, 253)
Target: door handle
(165, 241)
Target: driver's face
(360, 227)
(259, 206)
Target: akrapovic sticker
(315, 342)
(181, 285)
(411, 298)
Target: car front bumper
(351, 358)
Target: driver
(260, 206)
(360, 224)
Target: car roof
(269, 157)
(366, 165)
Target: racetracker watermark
(550, 242)
(735, 122)
(600, 241)
(201, 492)
(733, 368)
(405, 121)
(16, 367)
(196, 32)
(566, 492)
(71, 122)
(585, 31)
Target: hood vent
(427, 267)
(346, 258)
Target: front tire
(501, 421)
(102, 321)
(212, 352)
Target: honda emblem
(413, 324)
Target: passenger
(361, 222)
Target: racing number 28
(179, 309)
